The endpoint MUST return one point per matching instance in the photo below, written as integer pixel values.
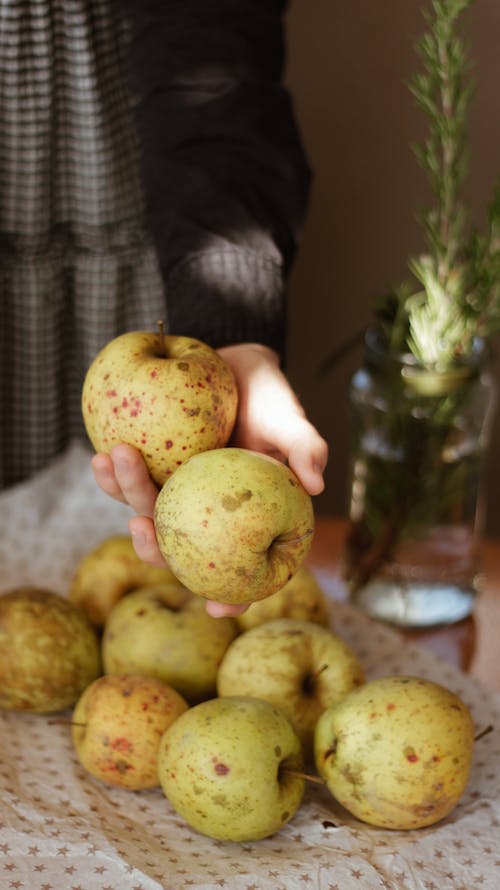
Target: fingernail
(122, 463)
(139, 538)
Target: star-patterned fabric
(61, 829)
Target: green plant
(432, 331)
(454, 295)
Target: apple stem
(300, 775)
(287, 539)
(323, 667)
(483, 732)
(161, 339)
(65, 723)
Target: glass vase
(417, 505)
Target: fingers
(270, 416)
(124, 475)
(303, 448)
(222, 610)
(307, 457)
(144, 540)
(104, 474)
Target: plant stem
(447, 158)
(485, 731)
(307, 776)
(162, 351)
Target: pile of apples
(230, 716)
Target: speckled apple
(117, 726)
(111, 570)
(234, 525)
(182, 646)
(296, 665)
(49, 651)
(302, 597)
(225, 766)
(397, 752)
(168, 396)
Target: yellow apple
(397, 752)
(234, 524)
(301, 597)
(49, 652)
(226, 766)
(298, 666)
(168, 396)
(181, 646)
(117, 726)
(109, 571)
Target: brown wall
(347, 67)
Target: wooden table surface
(472, 644)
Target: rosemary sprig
(451, 300)
(454, 294)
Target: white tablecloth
(61, 829)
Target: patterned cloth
(76, 262)
(61, 829)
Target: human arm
(225, 176)
(226, 184)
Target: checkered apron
(76, 263)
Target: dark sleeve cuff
(228, 296)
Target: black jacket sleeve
(225, 176)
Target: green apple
(301, 597)
(181, 646)
(397, 752)
(117, 726)
(298, 666)
(109, 571)
(169, 397)
(234, 525)
(49, 652)
(227, 767)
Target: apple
(298, 666)
(301, 597)
(397, 752)
(168, 396)
(117, 725)
(49, 652)
(108, 572)
(181, 646)
(228, 766)
(234, 525)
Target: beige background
(347, 68)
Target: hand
(270, 420)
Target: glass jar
(419, 439)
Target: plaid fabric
(76, 263)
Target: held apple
(181, 646)
(397, 752)
(228, 766)
(298, 666)
(108, 572)
(168, 396)
(49, 652)
(301, 598)
(234, 524)
(117, 726)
